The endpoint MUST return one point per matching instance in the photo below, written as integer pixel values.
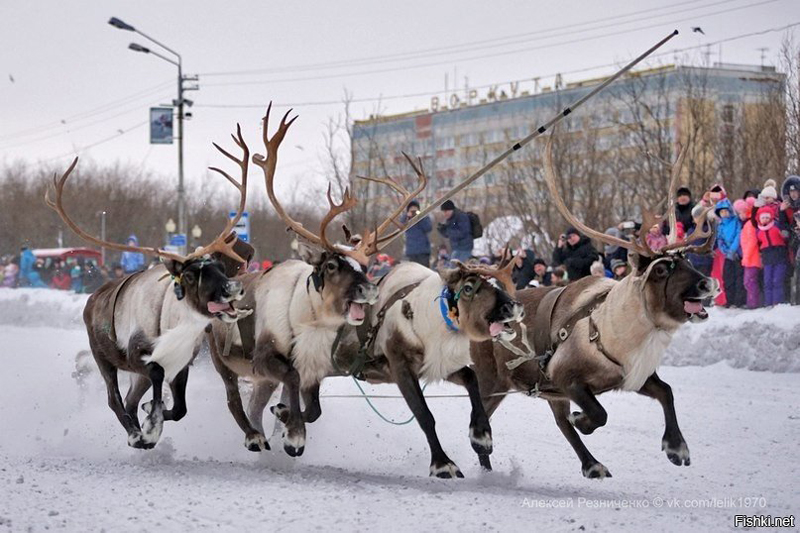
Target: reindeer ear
(451, 276)
(638, 263)
(311, 254)
(174, 267)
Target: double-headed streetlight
(179, 103)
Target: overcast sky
(68, 80)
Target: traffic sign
(178, 239)
(242, 228)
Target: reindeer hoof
(596, 471)
(295, 445)
(135, 440)
(581, 422)
(677, 455)
(486, 462)
(256, 443)
(446, 471)
(481, 441)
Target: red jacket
(750, 247)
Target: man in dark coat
(418, 245)
(683, 210)
(576, 253)
(457, 228)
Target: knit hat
(769, 191)
(540, 261)
(770, 183)
(448, 205)
(764, 211)
(571, 231)
(740, 205)
(683, 191)
(617, 263)
(414, 203)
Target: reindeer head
(201, 279)
(479, 303)
(338, 274)
(672, 289)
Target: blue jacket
(26, 262)
(417, 241)
(729, 232)
(459, 231)
(132, 261)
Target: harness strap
(594, 337)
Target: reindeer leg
(441, 465)
(593, 415)
(590, 466)
(490, 405)
(480, 432)
(254, 439)
(672, 443)
(313, 409)
(269, 363)
(178, 388)
(154, 422)
(139, 385)
(109, 374)
(262, 392)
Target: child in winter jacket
(728, 236)
(772, 244)
(655, 238)
(751, 257)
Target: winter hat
(751, 193)
(617, 263)
(414, 203)
(770, 183)
(539, 261)
(769, 191)
(764, 211)
(448, 206)
(571, 231)
(740, 206)
(683, 191)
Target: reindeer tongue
(496, 328)
(693, 308)
(216, 307)
(356, 311)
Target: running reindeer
(151, 325)
(597, 335)
(301, 308)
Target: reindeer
(303, 309)
(150, 325)
(597, 335)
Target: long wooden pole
(519, 144)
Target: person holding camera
(418, 244)
(576, 253)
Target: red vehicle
(87, 254)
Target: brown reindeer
(150, 323)
(301, 309)
(597, 335)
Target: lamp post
(179, 103)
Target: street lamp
(179, 103)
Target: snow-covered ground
(64, 461)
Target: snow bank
(42, 307)
(761, 339)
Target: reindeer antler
(217, 245)
(675, 172)
(501, 272)
(550, 180)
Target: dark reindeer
(597, 335)
(150, 323)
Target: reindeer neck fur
(629, 334)
(443, 351)
(292, 312)
(148, 306)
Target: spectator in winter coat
(728, 236)
(772, 244)
(132, 261)
(612, 252)
(523, 271)
(751, 256)
(26, 263)
(558, 277)
(456, 228)
(576, 253)
(795, 289)
(768, 197)
(61, 279)
(655, 239)
(790, 208)
(10, 272)
(683, 208)
(418, 244)
(541, 278)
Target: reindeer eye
(467, 289)
(331, 266)
(188, 277)
(661, 271)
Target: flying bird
(10, 77)
(698, 29)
